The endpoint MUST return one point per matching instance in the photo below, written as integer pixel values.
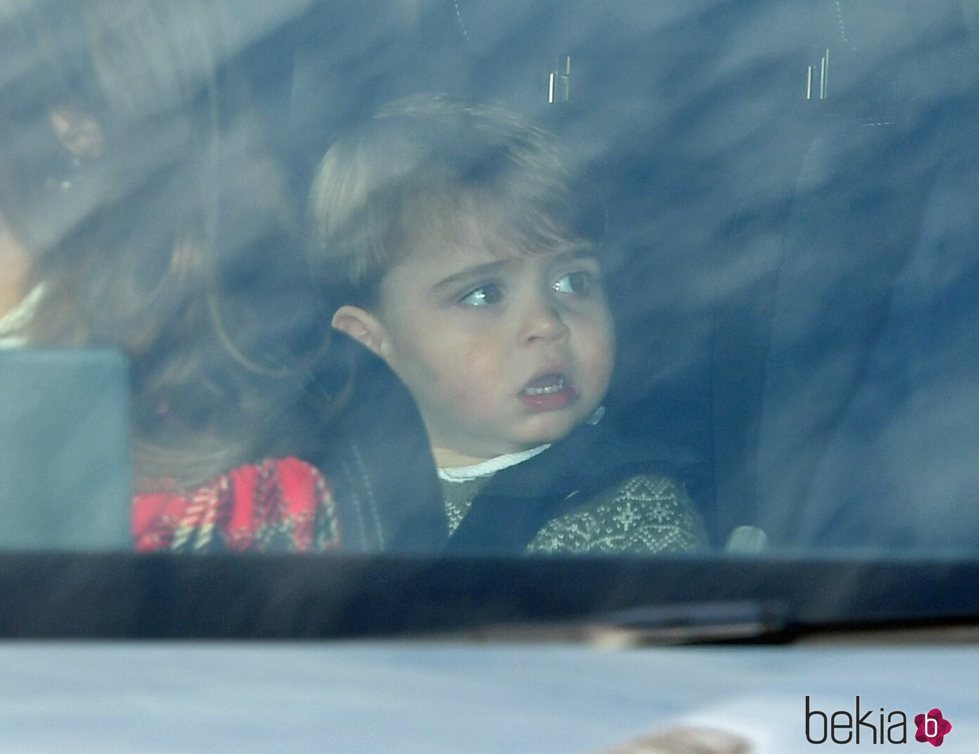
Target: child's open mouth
(548, 392)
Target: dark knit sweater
(588, 493)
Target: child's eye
(578, 283)
(487, 294)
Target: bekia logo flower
(865, 724)
(932, 727)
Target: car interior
(790, 255)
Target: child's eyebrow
(493, 268)
(479, 270)
(573, 255)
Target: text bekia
(872, 726)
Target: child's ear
(361, 325)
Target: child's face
(501, 354)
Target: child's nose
(543, 321)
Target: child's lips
(549, 392)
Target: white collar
(492, 465)
(489, 466)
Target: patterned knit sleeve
(642, 515)
(278, 505)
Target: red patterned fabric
(280, 504)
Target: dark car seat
(879, 134)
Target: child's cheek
(600, 356)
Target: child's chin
(549, 429)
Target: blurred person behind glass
(141, 211)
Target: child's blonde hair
(416, 172)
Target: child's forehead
(487, 233)
(457, 255)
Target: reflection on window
(455, 277)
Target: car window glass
(761, 215)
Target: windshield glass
(472, 277)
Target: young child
(463, 258)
